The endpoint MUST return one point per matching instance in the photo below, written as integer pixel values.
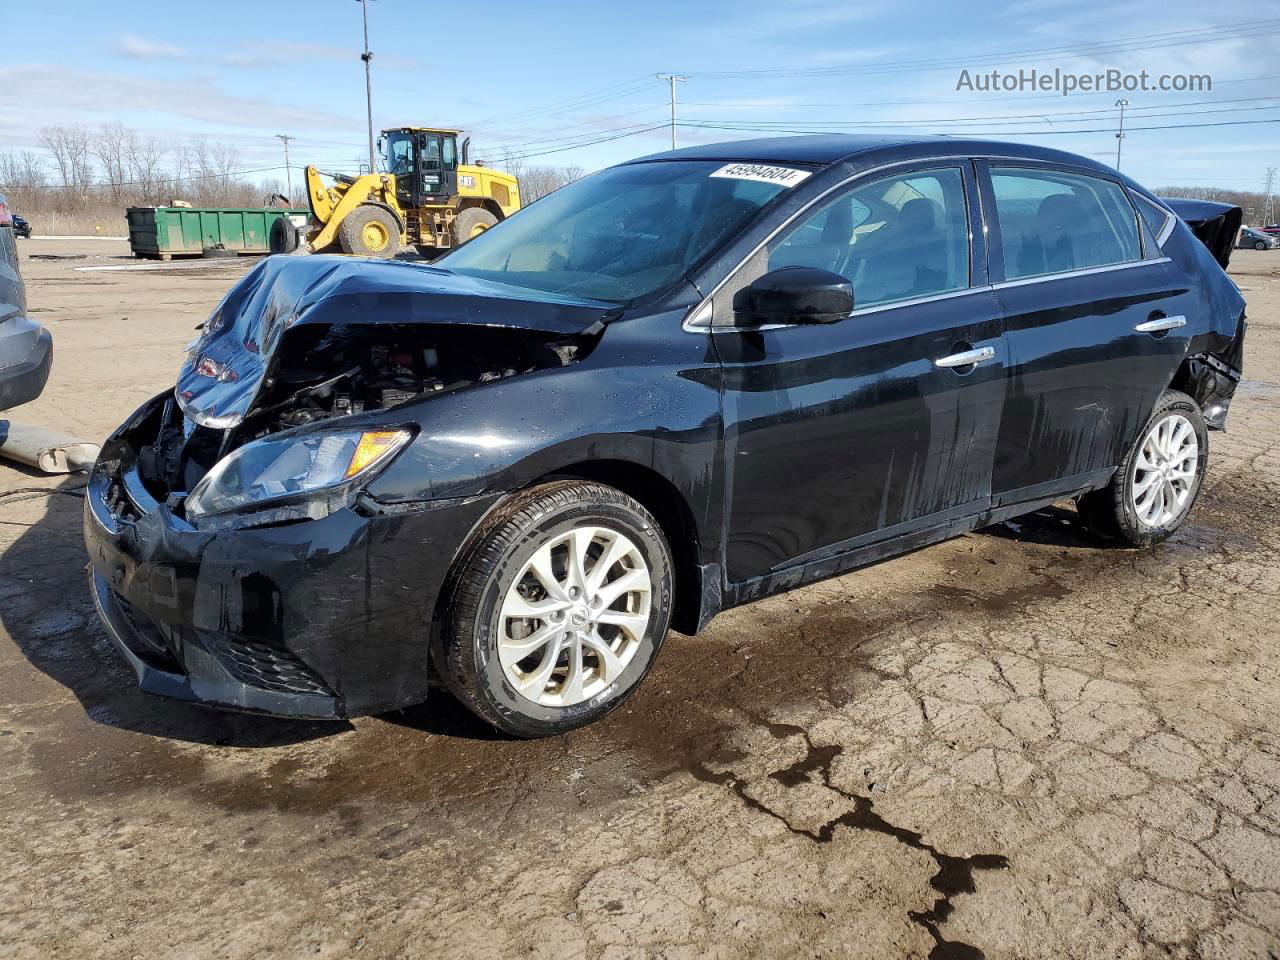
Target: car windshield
(622, 233)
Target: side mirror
(797, 295)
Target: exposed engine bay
(321, 372)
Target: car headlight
(290, 477)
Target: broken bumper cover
(26, 354)
(319, 618)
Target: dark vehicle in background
(26, 349)
(678, 385)
(1273, 229)
(20, 226)
(1251, 239)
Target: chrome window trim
(1167, 230)
(1087, 271)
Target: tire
(1259, 245)
(283, 237)
(428, 252)
(218, 252)
(1121, 510)
(470, 223)
(369, 231)
(473, 649)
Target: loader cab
(425, 164)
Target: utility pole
(1271, 181)
(1122, 103)
(288, 173)
(674, 80)
(368, 81)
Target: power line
(998, 133)
(1251, 28)
(603, 95)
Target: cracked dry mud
(1021, 743)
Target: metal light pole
(368, 81)
(1122, 103)
(674, 80)
(288, 173)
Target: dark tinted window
(897, 238)
(1057, 222)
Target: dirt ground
(1021, 743)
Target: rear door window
(1052, 222)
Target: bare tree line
(84, 178)
(1253, 204)
(90, 176)
(537, 182)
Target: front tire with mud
(1159, 479)
(556, 610)
(369, 231)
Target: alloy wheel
(1165, 471)
(575, 616)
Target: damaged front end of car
(238, 557)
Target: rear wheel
(1155, 487)
(369, 231)
(470, 223)
(558, 608)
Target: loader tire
(283, 237)
(369, 231)
(470, 223)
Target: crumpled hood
(226, 366)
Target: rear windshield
(625, 232)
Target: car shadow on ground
(45, 607)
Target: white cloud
(140, 48)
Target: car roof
(828, 149)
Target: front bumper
(26, 354)
(319, 618)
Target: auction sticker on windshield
(782, 176)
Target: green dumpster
(164, 232)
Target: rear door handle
(966, 359)
(1161, 323)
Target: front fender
(648, 394)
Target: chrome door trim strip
(1087, 271)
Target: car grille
(260, 665)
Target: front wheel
(1259, 245)
(1158, 482)
(558, 607)
(369, 231)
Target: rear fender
(1210, 378)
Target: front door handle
(966, 359)
(1161, 323)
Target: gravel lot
(1020, 743)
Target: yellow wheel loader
(430, 196)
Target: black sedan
(678, 385)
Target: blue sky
(535, 79)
